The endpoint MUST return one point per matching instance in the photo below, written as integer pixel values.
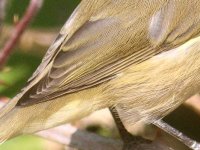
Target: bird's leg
(126, 137)
(177, 134)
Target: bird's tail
(30, 119)
(5, 108)
(9, 125)
(8, 120)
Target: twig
(179, 135)
(31, 11)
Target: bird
(138, 56)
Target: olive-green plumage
(141, 56)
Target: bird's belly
(156, 87)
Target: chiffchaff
(140, 56)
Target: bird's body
(141, 56)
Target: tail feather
(8, 107)
(30, 119)
(8, 127)
(8, 120)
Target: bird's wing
(100, 49)
(175, 23)
(71, 26)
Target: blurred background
(27, 56)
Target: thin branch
(192, 144)
(31, 11)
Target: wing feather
(99, 50)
